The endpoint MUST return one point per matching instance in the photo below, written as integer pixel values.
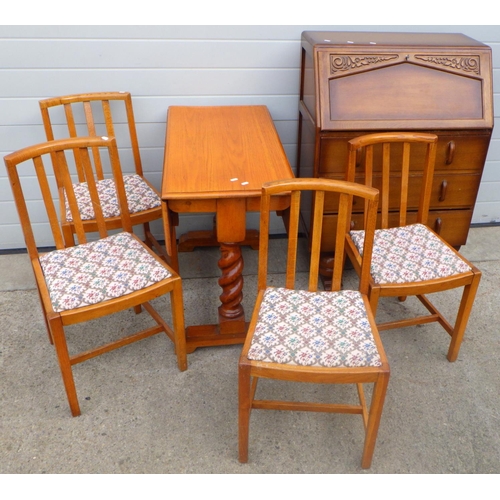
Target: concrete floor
(141, 415)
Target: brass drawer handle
(438, 225)
(444, 188)
(450, 153)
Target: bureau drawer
(448, 191)
(455, 151)
(452, 225)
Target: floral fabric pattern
(101, 270)
(408, 254)
(328, 329)
(139, 197)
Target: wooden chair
(309, 335)
(94, 278)
(408, 257)
(105, 114)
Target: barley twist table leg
(231, 281)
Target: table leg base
(192, 239)
(225, 333)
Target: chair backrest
(389, 161)
(94, 114)
(48, 160)
(344, 191)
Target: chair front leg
(244, 408)
(63, 358)
(376, 407)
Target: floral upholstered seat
(140, 197)
(408, 254)
(329, 329)
(98, 271)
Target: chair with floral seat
(106, 114)
(312, 336)
(409, 258)
(92, 279)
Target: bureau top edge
(388, 39)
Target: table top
(221, 152)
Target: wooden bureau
(353, 83)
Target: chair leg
(376, 407)
(374, 296)
(47, 326)
(65, 365)
(468, 296)
(68, 235)
(178, 325)
(147, 232)
(244, 407)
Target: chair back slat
(73, 132)
(293, 230)
(108, 117)
(70, 120)
(386, 176)
(92, 132)
(116, 170)
(319, 187)
(134, 142)
(405, 183)
(315, 241)
(343, 226)
(68, 192)
(389, 157)
(368, 159)
(265, 214)
(48, 201)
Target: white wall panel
(483, 211)
(147, 54)
(496, 80)
(171, 82)
(25, 111)
(494, 150)
(484, 33)
(177, 65)
(491, 172)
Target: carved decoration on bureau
(345, 63)
(468, 64)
